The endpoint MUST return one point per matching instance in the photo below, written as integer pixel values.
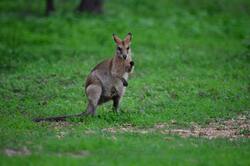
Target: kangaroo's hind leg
(93, 92)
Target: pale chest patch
(125, 76)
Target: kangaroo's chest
(110, 77)
(113, 87)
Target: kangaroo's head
(123, 49)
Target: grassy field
(192, 67)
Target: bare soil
(24, 151)
(232, 128)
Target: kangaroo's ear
(117, 40)
(128, 38)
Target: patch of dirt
(89, 132)
(59, 128)
(60, 125)
(24, 151)
(232, 129)
(77, 154)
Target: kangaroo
(107, 81)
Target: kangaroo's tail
(58, 118)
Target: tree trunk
(49, 6)
(92, 6)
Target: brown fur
(106, 80)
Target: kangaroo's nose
(124, 56)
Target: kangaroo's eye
(128, 48)
(119, 48)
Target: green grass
(192, 65)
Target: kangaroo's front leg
(116, 103)
(118, 98)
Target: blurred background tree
(92, 6)
(49, 6)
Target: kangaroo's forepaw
(132, 63)
(124, 82)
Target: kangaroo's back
(99, 73)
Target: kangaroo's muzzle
(124, 56)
